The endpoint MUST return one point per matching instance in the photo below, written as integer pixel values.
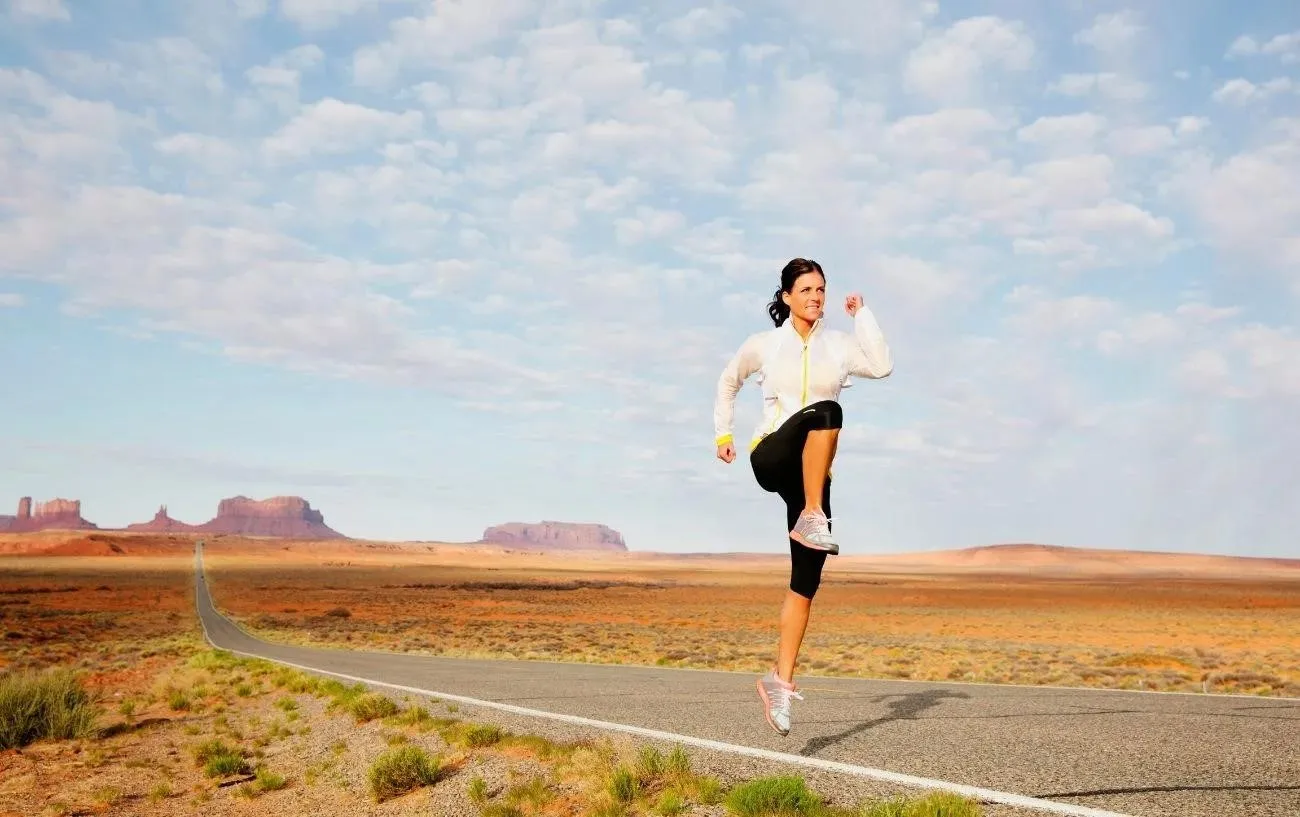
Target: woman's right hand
(726, 452)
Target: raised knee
(828, 414)
(805, 586)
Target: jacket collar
(817, 325)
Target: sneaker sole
(832, 549)
(762, 696)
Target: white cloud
(260, 295)
(1073, 181)
(1227, 197)
(876, 28)
(1043, 316)
(251, 9)
(1143, 140)
(40, 9)
(1241, 91)
(1244, 45)
(1285, 47)
(949, 66)
(209, 152)
(649, 224)
(921, 285)
(322, 14)
(572, 60)
(1107, 84)
(1190, 125)
(1114, 31)
(451, 29)
(1269, 354)
(752, 53)
(950, 137)
(11, 299)
(1116, 220)
(164, 77)
(1067, 133)
(702, 22)
(335, 126)
(1207, 371)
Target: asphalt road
(1033, 749)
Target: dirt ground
(1195, 633)
(120, 611)
(183, 729)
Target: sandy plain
(119, 609)
(1026, 616)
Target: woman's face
(807, 297)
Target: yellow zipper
(803, 395)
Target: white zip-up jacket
(794, 372)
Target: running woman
(801, 367)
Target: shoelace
(784, 696)
(822, 523)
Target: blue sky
(440, 265)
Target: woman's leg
(823, 421)
(780, 462)
(799, 452)
(794, 623)
(805, 578)
(818, 453)
(776, 688)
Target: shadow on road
(1163, 789)
(901, 707)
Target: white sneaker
(813, 530)
(776, 696)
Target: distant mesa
(57, 514)
(284, 517)
(549, 535)
(162, 523)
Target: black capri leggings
(778, 466)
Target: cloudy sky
(439, 265)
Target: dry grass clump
(402, 769)
(50, 705)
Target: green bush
(50, 705)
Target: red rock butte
(60, 514)
(284, 517)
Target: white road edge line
(976, 792)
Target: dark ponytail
(777, 308)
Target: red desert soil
(1020, 614)
(1226, 630)
(175, 721)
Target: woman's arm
(744, 363)
(868, 354)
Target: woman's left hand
(852, 304)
